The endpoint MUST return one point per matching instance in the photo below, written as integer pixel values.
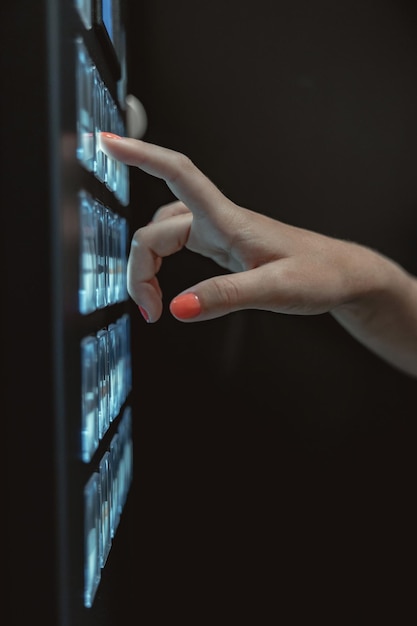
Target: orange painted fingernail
(186, 306)
(144, 313)
(110, 135)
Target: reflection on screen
(107, 16)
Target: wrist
(373, 281)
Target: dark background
(275, 455)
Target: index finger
(184, 179)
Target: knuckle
(138, 237)
(182, 163)
(168, 210)
(227, 291)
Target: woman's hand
(273, 266)
(270, 265)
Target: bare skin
(271, 266)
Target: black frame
(45, 476)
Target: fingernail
(186, 306)
(144, 313)
(110, 136)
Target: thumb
(221, 295)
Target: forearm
(385, 319)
